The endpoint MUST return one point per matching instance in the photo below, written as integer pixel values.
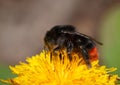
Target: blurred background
(23, 24)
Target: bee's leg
(86, 57)
(58, 48)
(60, 56)
(69, 47)
(51, 56)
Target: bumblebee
(65, 36)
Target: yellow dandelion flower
(41, 70)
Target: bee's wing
(90, 38)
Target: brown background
(23, 23)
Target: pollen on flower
(41, 70)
